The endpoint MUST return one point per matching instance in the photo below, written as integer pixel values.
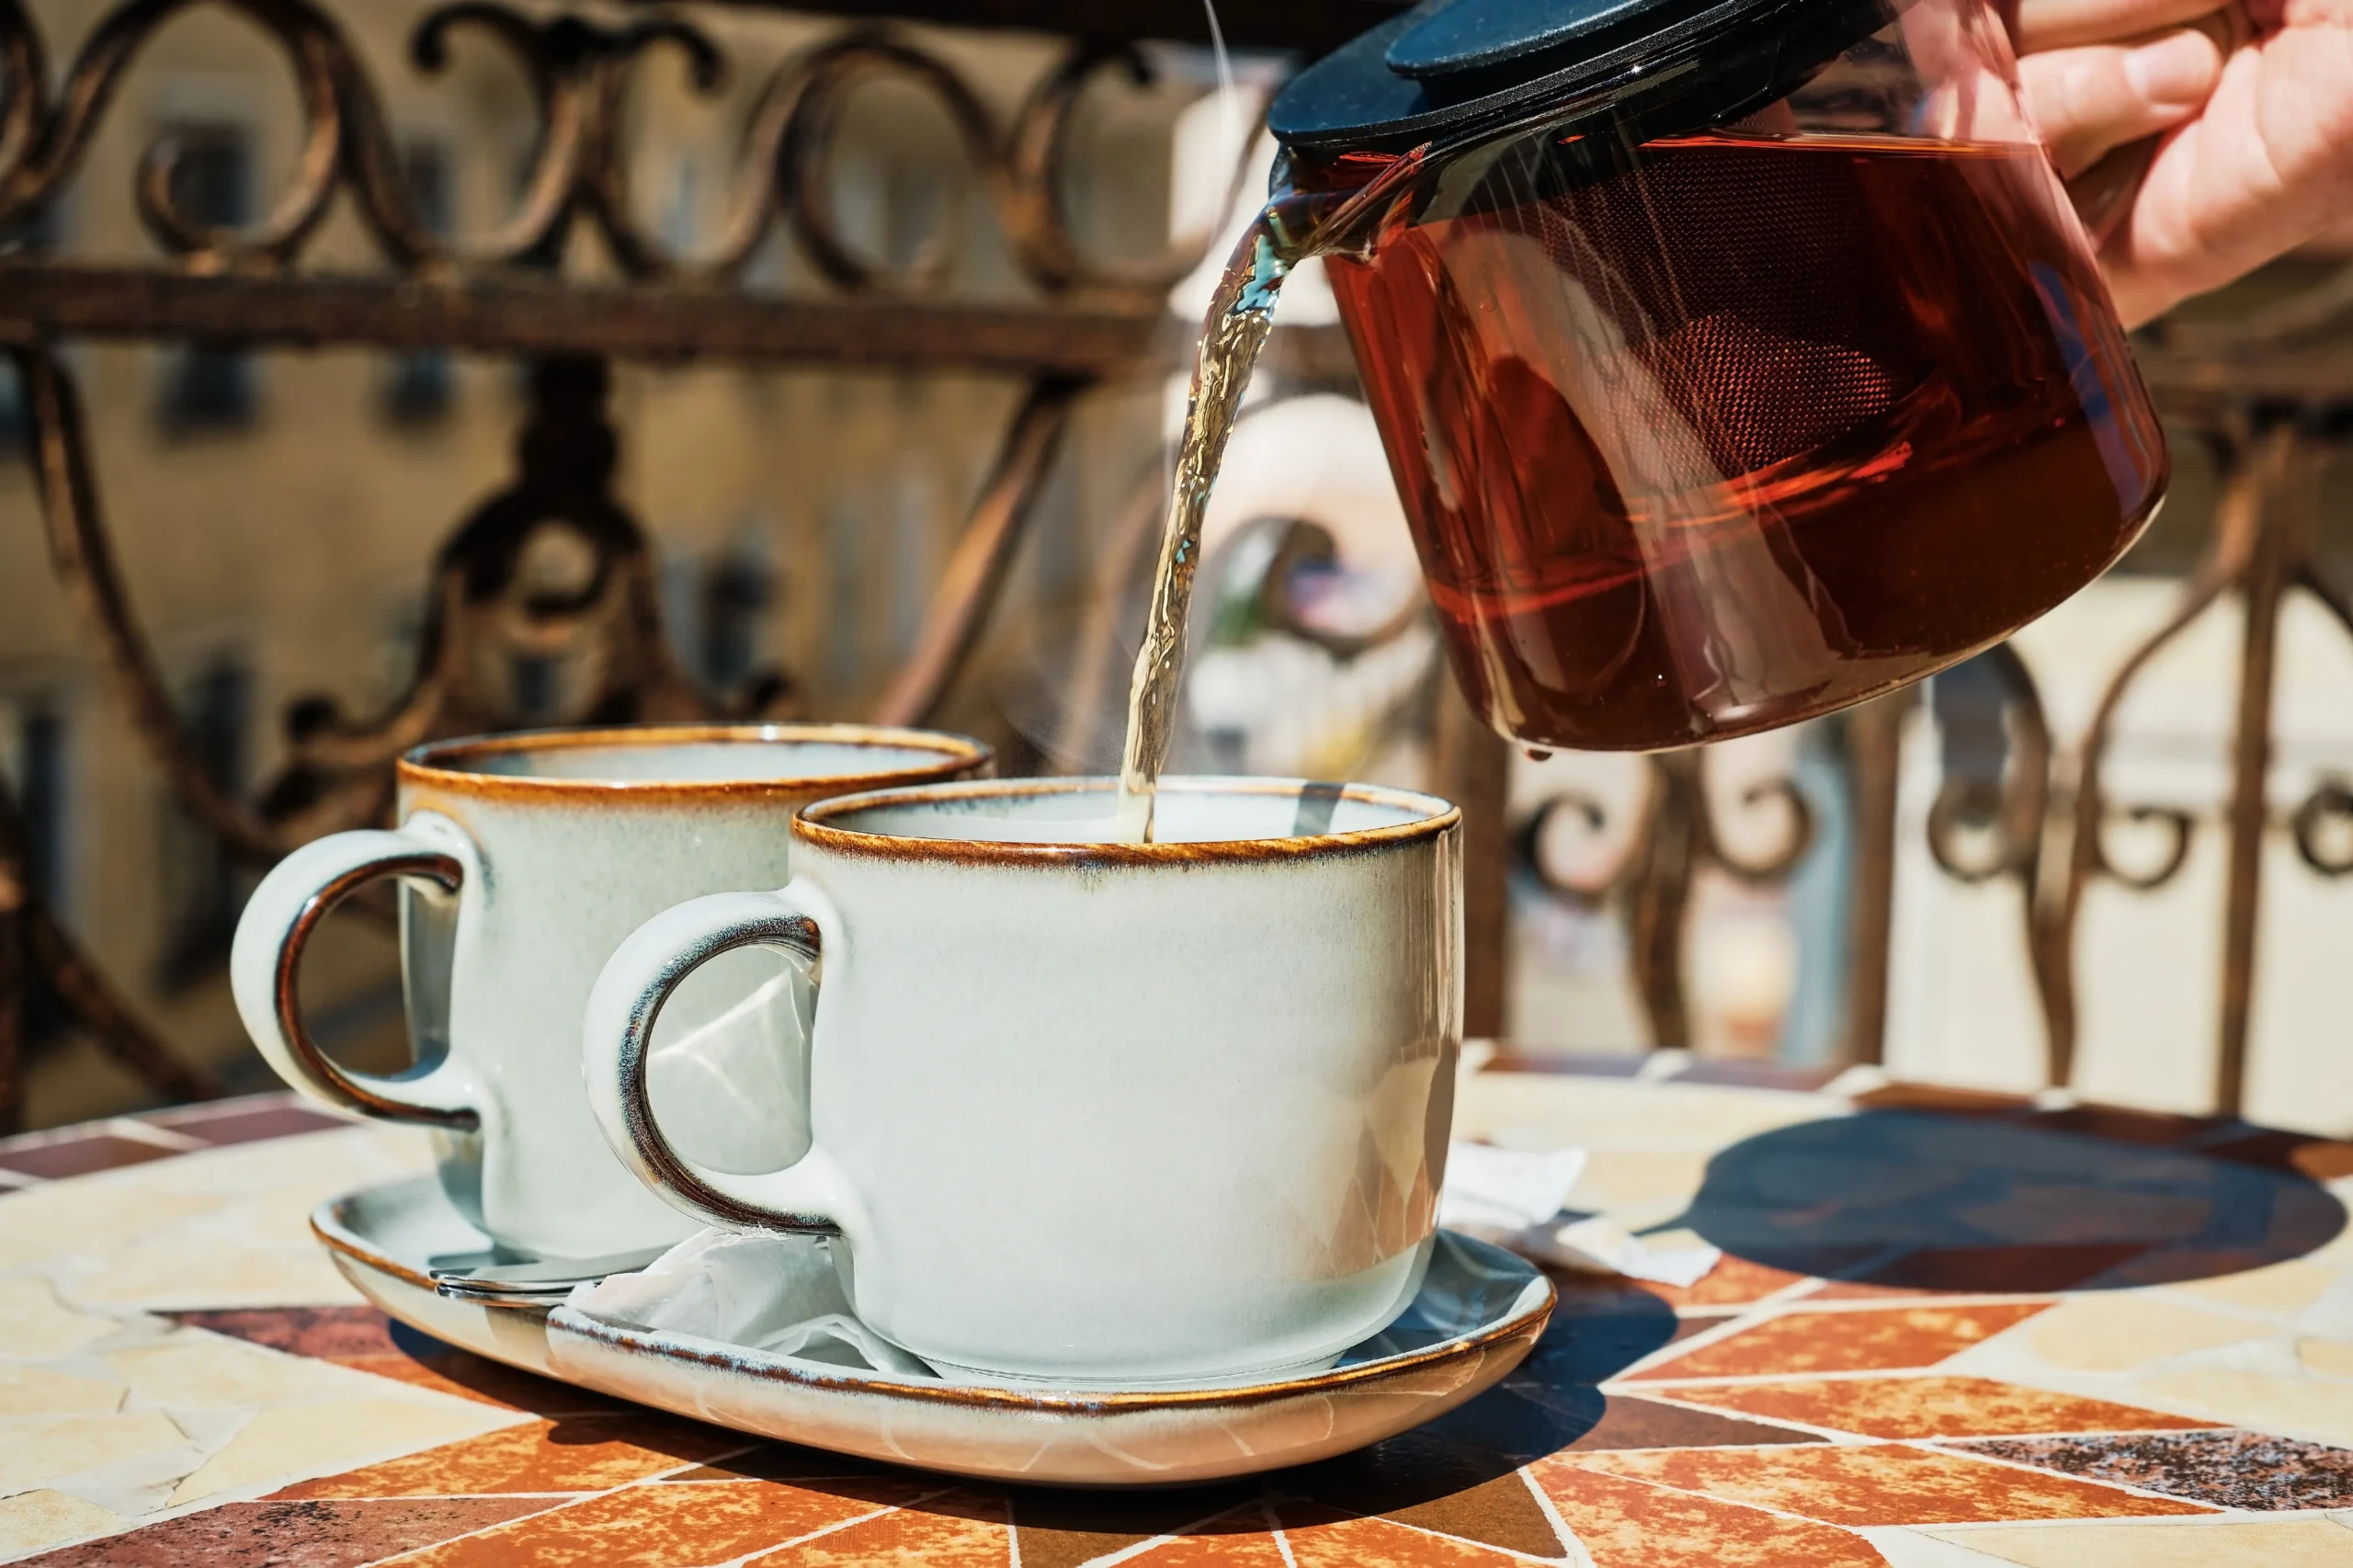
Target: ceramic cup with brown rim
(1086, 1112)
(525, 859)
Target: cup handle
(277, 925)
(808, 1195)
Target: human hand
(2254, 105)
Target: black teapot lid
(1450, 67)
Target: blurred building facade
(278, 512)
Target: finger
(2265, 165)
(2091, 99)
(2064, 24)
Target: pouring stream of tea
(1241, 313)
(1291, 227)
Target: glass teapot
(1736, 361)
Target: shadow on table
(1599, 1328)
(2082, 1199)
(1454, 1475)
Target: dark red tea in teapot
(1757, 428)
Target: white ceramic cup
(524, 858)
(1087, 1111)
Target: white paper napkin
(1518, 1197)
(761, 1291)
(1490, 1189)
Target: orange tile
(1212, 1551)
(963, 1529)
(1930, 1407)
(1069, 1528)
(1881, 1484)
(588, 1454)
(1903, 1096)
(1856, 1291)
(653, 1526)
(1320, 1537)
(1734, 1282)
(2324, 1159)
(1243, 1538)
(1628, 1524)
(1859, 1341)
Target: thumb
(2091, 99)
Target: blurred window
(737, 589)
(28, 237)
(210, 386)
(202, 886)
(36, 774)
(422, 384)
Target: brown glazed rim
(428, 767)
(813, 825)
(333, 1231)
(1520, 1327)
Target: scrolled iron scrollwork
(2180, 828)
(2331, 802)
(47, 137)
(1673, 838)
(1527, 850)
(579, 74)
(2262, 548)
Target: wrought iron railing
(2269, 387)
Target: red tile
(1930, 1407)
(1628, 1422)
(245, 1120)
(1692, 1324)
(292, 1535)
(1428, 1485)
(1063, 1529)
(656, 1527)
(1845, 1341)
(1627, 1524)
(330, 1333)
(1445, 1483)
(80, 1155)
(1878, 1484)
(365, 1340)
(1502, 1512)
(964, 1529)
(585, 1454)
(1243, 1539)
(1939, 1097)
(1320, 1537)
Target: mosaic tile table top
(1949, 1331)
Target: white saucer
(388, 1241)
(1479, 1314)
